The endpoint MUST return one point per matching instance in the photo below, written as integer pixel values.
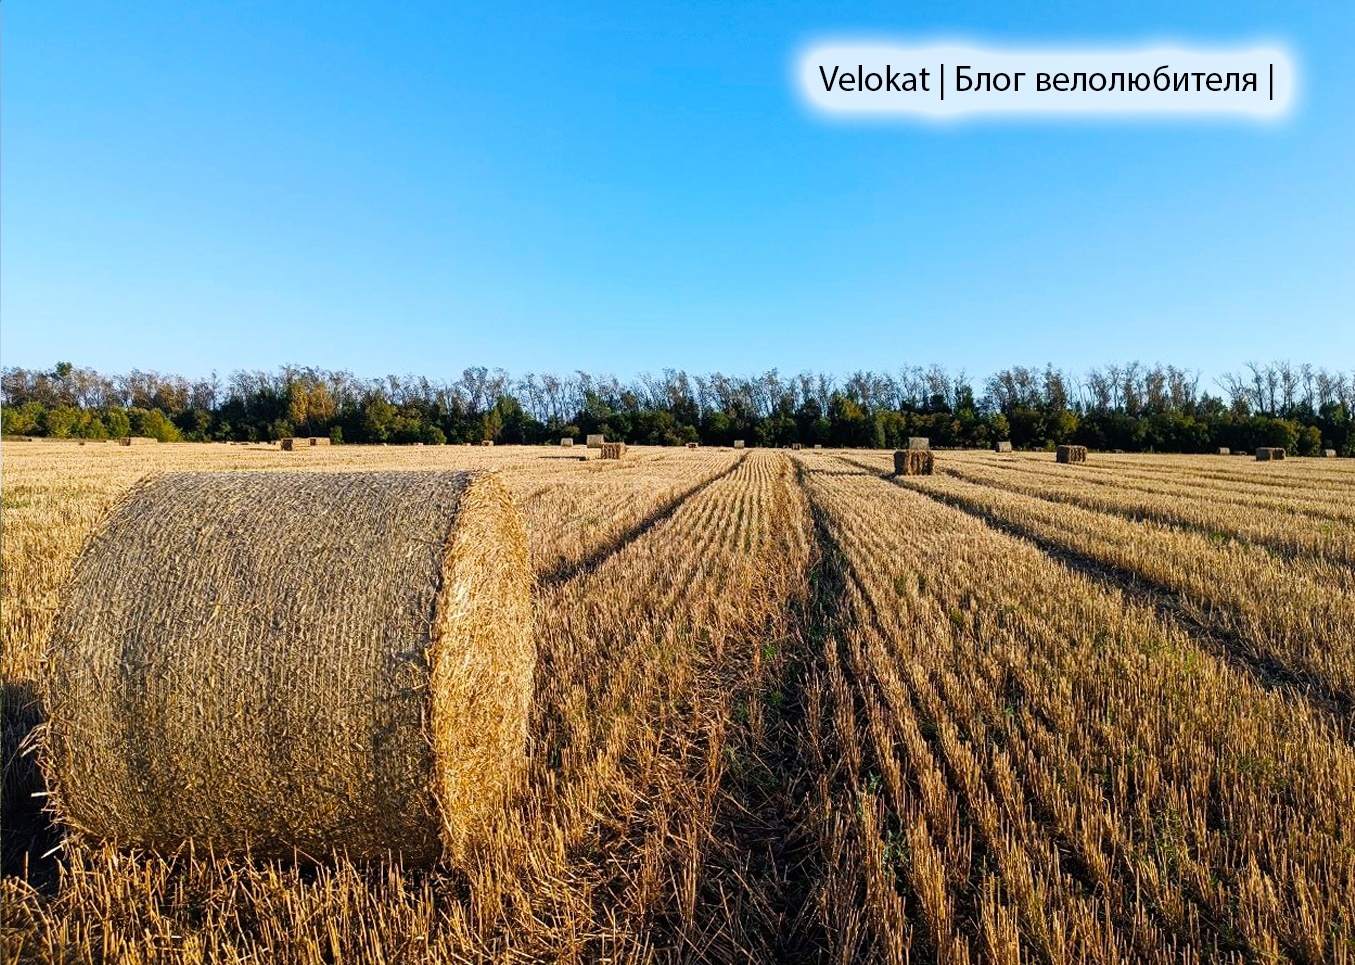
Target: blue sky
(418, 187)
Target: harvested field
(788, 708)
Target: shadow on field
(564, 572)
(26, 830)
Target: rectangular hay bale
(1071, 454)
(613, 450)
(913, 462)
(738, 443)
(1328, 453)
(1225, 451)
(1004, 446)
(1269, 453)
(567, 442)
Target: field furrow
(1077, 779)
(1284, 531)
(788, 709)
(1291, 619)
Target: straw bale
(1269, 453)
(320, 440)
(595, 441)
(796, 446)
(326, 662)
(1225, 451)
(1004, 446)
(136, 440)
(567, 442)
(613, 450)
(919, 443)
(913, 462)
(1071, 454)
(1329, 453)
(693, 445)
(818, 446)
(294, 445)
(738, 444)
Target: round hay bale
(294, 661)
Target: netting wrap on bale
(325, 662)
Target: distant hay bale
(921, 443)
(1329, 453)
(738, 444)
(693, 445)
(1225, 451)
(913, 462)
(16, 438)
(596, 441)
(294, 445)
(1071, 454)
(1004, 446)
(326, 662)
(567, 442)
(816, 446)
(136, 440)
(1269, 453)
(796, 446)
(320, 441)
(486, 442)
(613, 450)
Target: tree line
(1134, 407)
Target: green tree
(116, 421)
(24, 420)
(63, 422)
(1309, 441)
(153, 423)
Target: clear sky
(422, 186)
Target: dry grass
(787, 709)
(360, 686)
(914, 462)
